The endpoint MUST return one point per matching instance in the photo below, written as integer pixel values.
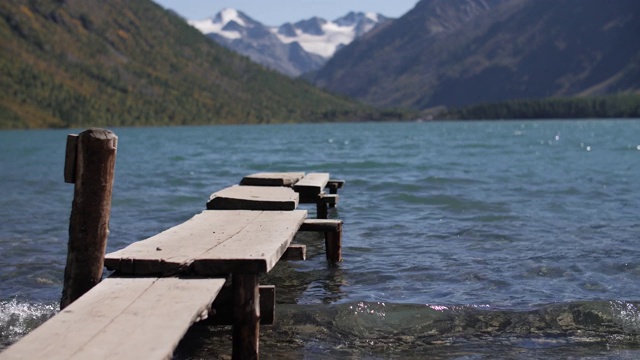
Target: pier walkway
(164, 284)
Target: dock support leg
(333, 190)
(321, 209)
(333, 245)
(246, 316)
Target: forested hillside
(588, 107)
(78, 63)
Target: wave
(589, 329)
(390, 330)
(616, 321)
(17, 318)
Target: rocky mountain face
(461, 52)
(292, 48)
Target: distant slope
(461, 52)
(75, 63)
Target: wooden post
(90, 164)
(246, 316)
(333, 245)
(332, 230)
(321, 208)
(334, 185)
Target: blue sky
(278, 12)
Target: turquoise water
(462, 240)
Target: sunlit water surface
(461, 240)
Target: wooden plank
(121, 318)
(321, 225)
(295, 252)
(256, 249)
(318, 180)
(212, 243)
(334, 185)
(332, 235)
(329, 199)
(253, 198)
(311, 186)
(272, 179)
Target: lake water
(462, 240)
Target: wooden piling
(246, 316)
(222, 308)
(321, 209)
(90, 164)
(332, 230)
(334, 185)
(333, 245)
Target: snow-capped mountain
(324, 38)
(292, 48)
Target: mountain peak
(227, 15)
(324, 38)
(313, 26)
(354, 17)
(227, 23)
(316, 36)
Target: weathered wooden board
(311, 186)
(272, 179)
(121, 318)
(334, 185)
(295, 252)
(253, 198)
(321, 225)
(213, 243)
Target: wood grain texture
(246, 317)
(70, 158)
(121, 318)
(272, 179)
(295, 252)
(213, 243)
(253, 198)
(333, 245)
(94, 168)
(321, 225)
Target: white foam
(17, 318)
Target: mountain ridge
(293, 48)
(475, 51)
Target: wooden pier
(208, 266)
